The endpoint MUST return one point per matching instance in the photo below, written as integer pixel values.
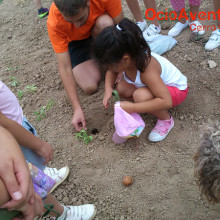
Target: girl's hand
(107, 96)
(46, 151)
(127, 106)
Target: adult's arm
(26, 138)
(118, 18)
(66, 74)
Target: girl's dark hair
(114, 41)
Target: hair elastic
(117, 26)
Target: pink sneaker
(161, 130)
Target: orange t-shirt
(61, 32)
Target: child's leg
(125, 90)
(86, 212)
(194, 8)
(164, 123)
(152, 4)
(57, 206)
(178, 5)
(216, 4)
(143, 95)
(38, 4)
(135, 9)
(42, 12)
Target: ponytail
(114, 41)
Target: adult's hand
(78, 120)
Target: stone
(212, 64)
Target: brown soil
(163, 182)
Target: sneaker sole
(159, 139)
(94, 214)
(43, 15)
(57, 184)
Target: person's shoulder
(54, 17)
(103, 2)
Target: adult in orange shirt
(72, 25)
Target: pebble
(101, 138)
(66, 200)
(181, 117)
(212, 64)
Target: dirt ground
(164, 186)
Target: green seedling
(42, 112)
(20, 94)
(83, 136)
(115, 96)
(14, 82)
(31, 88)
(1, 1)
(11, 68)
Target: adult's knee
(90, 89)
(102, 22)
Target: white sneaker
(196, 27)
(85, 212)
(142, 25)
(177, 29)
(214, 40)
(152, 30)
(58, 175)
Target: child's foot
(85, 212)
(214, 40)
(196, 27)
(142, 25)
(152, 30)
(58, 175)
(177, 29)
(161, 130)
(42, 12)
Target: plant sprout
(42, 112)
(14, 82)
(83, 136)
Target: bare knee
(142, 95)
(101, 22)
(124, 93)
(90, 89)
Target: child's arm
(27, 139)
(161, 98)
(110, 79)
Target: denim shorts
(29, 154)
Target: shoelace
(215, 35)
(151, 30)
